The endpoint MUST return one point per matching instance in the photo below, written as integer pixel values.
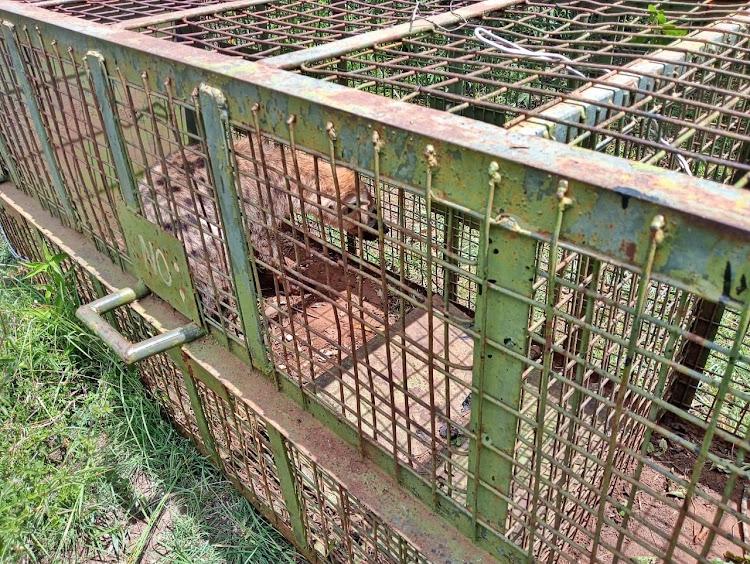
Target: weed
(89, 468)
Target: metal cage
(473, 276)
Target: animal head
(359, 212)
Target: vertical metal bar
(377, 145)
(657, 236)
(505, 259)
(653, 415)
(549, 332)
(431, 164)
(115, 139)
(287, 484)
(217, 130)
(58, 183)
(594, 268)
(179, 357)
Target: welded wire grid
(603, 463)
(376, 328)
(242, 444)
(24, 153)
(338, 526)
(167, 151)
(273, 28)
(113, 11)
(662, 83)
(73, 125)
(19, 235)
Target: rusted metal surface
(379, 492)
(172, 15)
(491, 319)
(600, 185)
(265, 31)
(413, 27)
(112, 11)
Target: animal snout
(372, 233)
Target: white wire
(681, 160)
(11, 250)
(509, 48)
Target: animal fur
(177, 195)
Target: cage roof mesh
(662, 83)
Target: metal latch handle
(91, 316)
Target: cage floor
(347, 346)
(653, 513)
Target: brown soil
(658, 519)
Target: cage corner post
(507, 258)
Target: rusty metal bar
(208, 9)
(215, 115)
(112, 127)
(426, 531)
(419, 25)
(48, 3)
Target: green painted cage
(429, 280)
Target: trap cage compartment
(531, 314)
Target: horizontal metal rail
(175, 15)
(419, 25)
(380, 493)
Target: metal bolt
(331, 131)
(562, 194)
(429, 153)
(657, 228)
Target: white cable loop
(509, 48)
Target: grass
(89, 468)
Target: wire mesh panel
(112, 11)
(604, 405)
(243, 447)
(665, 83)
(175, 191)
(338, 526)
(377, 328)
(23, 154)
(72, 124)
(504, 341)
(274, 28)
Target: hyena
(274, 192)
